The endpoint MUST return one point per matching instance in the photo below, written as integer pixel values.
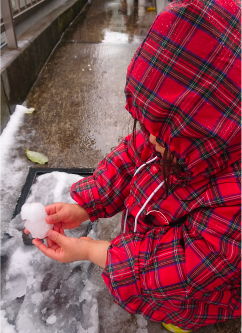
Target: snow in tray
(42, 295)
(39, 294)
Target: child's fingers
(56, 227)
(52, 209)
(54, 218)
(62, 232)
(59, 225)
(50, 243)
(49, 252)
(26, 231)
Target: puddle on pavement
(125, 21)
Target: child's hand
(66, 216)
(68, 249)
(64, 249)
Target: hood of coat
(183, 83)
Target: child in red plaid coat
(176, 180)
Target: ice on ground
(42, 295)
(34, 213)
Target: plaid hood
(183, 84)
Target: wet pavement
(80, 95)
(82, 85)
(80, 103)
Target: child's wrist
(97, 251)
(89, 248)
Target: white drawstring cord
(139, 168)
(144, 205)
(125, 220)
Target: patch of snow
(8, 328)
(51, 320)
(13, 169)
(7, 136)
(39, 289)
(142, 324)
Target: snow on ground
(13, 167)
(39, 294)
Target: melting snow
(45, 295)
(40, 294)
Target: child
(176, 180)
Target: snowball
(35, 215)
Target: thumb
(54, 218)
(57, 237)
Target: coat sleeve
(196, 260)
(103, 194)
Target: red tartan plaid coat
(182, 264)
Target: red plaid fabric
(182, 265)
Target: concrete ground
(80, 106)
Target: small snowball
(35, 214)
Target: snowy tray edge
(35, 172)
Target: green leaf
(36, 157)
(30, 110)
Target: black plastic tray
(35, 172)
